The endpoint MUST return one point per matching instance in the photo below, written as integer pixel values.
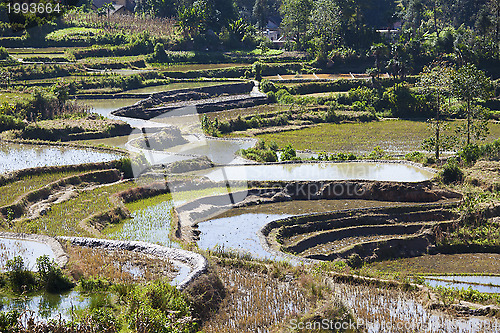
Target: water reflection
(322, 171)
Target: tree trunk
(468, 122)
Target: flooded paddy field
(438, 264)
(321, 171)
(29, 250)
(392, 310)
(21, 156)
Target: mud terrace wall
(195, 261)
(60, 256)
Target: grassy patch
(118, 266)
(9, 192)
(390, 135)
(12, 97)
(64, 218)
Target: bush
(470, 153)
(288, 153)
(416, 156)
(267, 86)
(10, 122)
(19, 277)
(161, 308)
(451, 172)
(4, 54)
(355, 261)
(51, 276)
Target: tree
(436, 81)
(325, 25)
(261, 12)
(295, 19)
(380, 51)
(470, 84)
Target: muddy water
(22, 156)
(27, 249)
(322, 171)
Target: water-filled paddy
(390, 310)
(150, 224)
(29, 250)
(322, 171)
(52, 306)
(238, 233)
(22, 156)
(484, 284)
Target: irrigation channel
(230, 223)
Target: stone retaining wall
(195, 261)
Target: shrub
(377, 153)
(416, 156)
(94, 284)
(18, 276)
(4, 54)
(451, 172)
(470, 153)
(355, 261)
(8, 122)
(267, 86)
(51, 276)
(288, 153)
(161, 308)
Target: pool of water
(239, 233)
(484, 284)
(45, 306)
(29, 250)
(321, 171)
(22, 156)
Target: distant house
(392, 33)
(119, 6)
(273, 32)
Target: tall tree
(295, 19)
(436, 81)
(470, 84)
(261, 12)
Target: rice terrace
(249, 166)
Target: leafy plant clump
(451, 172)
(262, 152)
(48, 277)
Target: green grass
(63, 218)
(11, 97)
(390, 135)
(10, 192)
(72, 33)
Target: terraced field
(372, 233)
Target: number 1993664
(33, 8)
